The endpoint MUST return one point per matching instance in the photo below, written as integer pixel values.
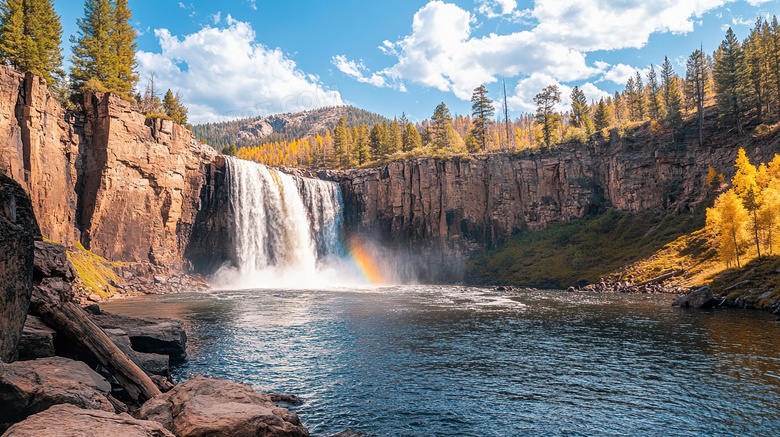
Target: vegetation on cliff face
(95, 272)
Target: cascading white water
(286, 229)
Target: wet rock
(351, 433)
(149, 335)
(211, 407)
(285, 398)
(698, 298)
(37, 340)
(18, 230)
(68, 420)
(29, 387)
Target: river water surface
(456, 361)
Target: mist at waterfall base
(288, 232)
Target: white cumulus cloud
(441, 51)
(225, 73)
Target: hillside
(257, 130)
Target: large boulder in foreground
(68, 420)
(29, 387)
(18, 231)
(699, 298)
(204, 407)
(149, 335)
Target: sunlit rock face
(126, 187)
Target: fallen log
(737, 285)
(70, 320)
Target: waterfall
(286, 229)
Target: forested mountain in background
(284, 127)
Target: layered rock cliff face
(446, 209)
(126, 187)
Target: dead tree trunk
(69, 319)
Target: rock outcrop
(69, 420)
(149, 335)
(142, 182)
(18, 230)
(37, 340)
(126, 187)
(204, 407)
(29, 387)
(698, 298)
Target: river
(459, 361)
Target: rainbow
(364, 261)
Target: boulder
(18, 231)
(68, 420)
(149, 335)
(699, 298)
(29, 387)
(152, 364)
(37, 340)
(211, 407)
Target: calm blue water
(454, 361)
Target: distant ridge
(283, 127)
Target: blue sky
(255, 57)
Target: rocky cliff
(126, 187)
(447, 209)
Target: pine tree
(655, 99)
(482, 111)
(30, 37)
(123, 46)
(672, 97)
(618, 103)
(755, 48)
(376, 140)
(94, 64)
(697, 83)
(412, 140)
(630, 96)
(731, 81)
(441, 118)
(637, 99)
(603, 117)
(173, 108)
(546, 115)
(394, 141)
(363, 151)
(342, 148)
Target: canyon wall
(444, 210)
(126, 187)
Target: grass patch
(94, 271)
(582, 251)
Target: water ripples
(441, 361)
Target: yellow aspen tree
(747, 189)
(726, 220)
